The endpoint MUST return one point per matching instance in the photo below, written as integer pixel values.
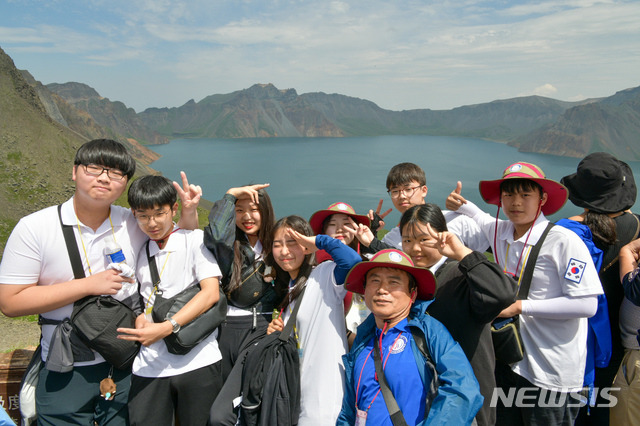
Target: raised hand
(249, 191)
(189, 194)
(377, 218)
(447, 244)
(361, 232)
(307, 243)
(455, 200)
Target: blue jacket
(458, 398)
(599, 347)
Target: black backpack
(271, 379)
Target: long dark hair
(302, 226)
(602, 227)
(265, 235)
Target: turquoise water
(310, 174)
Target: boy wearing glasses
(165, 384)
(407, 187)
(36, 277)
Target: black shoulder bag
(191, 334)
(505, 332)
(95, 319)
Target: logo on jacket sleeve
(575, 269)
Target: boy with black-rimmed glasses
(36, 277)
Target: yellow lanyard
(84, 249)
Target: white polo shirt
(183, 262)
(36, 253)
(321, 331)
(555, 350)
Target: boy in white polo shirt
(563, 293)
(36, 277)
(165, 384)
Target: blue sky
(398, 54)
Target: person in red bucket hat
(340, 221)
(407, 344)
(563, 293)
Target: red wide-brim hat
(557, 193)
(318, 217)
(396, 259)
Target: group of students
(386, 329)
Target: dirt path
(18, 333)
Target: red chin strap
(495, 237)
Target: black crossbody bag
(191, 334)
(95, 319)
(505, 332)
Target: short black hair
(514, 186)
(428, 213)
(404, 173)
(106, 152)
(151, 191)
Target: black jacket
(469, 295)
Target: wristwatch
(174, 323)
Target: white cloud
(547, 90)
(399, 55)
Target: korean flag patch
(575, 269)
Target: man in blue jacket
(399, 336)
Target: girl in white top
(320, 326)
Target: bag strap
(392, 405)
(155, 277)
(635, 235)
(286, 331)
(72, 247)
(421, 343)
(523, 292)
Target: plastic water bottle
(114, 252)
(117, 260)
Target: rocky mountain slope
(265, 111)
(38, 141)
(115, 117)
(611, 125)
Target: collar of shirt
(116, 214)
(257, 250)
(506, 233)
(438, 264)
(170, 246)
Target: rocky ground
(18, 333)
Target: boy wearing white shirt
(165, 385)
(563, 293)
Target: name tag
(361, 417)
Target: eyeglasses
(407, 192)
(96, 170)
(145, 219)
